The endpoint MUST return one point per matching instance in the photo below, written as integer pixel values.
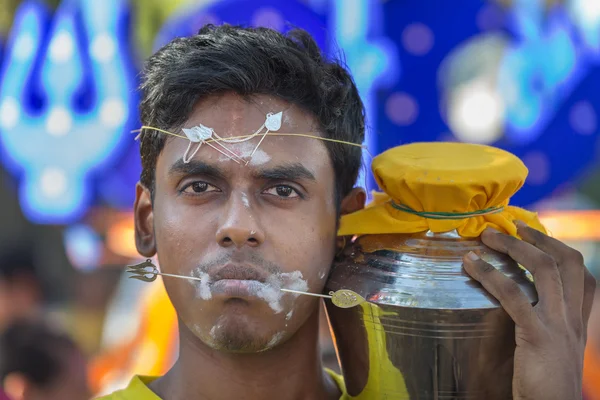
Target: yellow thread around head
(306, 135)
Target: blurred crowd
(38, 359)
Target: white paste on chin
(275, 340)
(197, 329)
(213, 331)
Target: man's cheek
(176, 238)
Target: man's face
(246, 230)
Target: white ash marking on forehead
(244, 150)
(260, 158)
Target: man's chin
(237, 336)
(238, 342)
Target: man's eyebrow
(195, 167)
(285, 172)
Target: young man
(250, 216)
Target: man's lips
(239, 280)
(238, 288)
(238, 272)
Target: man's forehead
(229, 114)
(273, 153)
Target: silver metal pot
(428, 331)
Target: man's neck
(291, 371)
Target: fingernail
(472, 256)
(491, 230)
(520, 224)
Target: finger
(554, 247)
(541, 265)
(569, 261)
(504, 289)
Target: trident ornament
(87, 85)
(148, 272)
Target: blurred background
(523, 75)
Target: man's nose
(239, 227)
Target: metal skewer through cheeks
(147, 272)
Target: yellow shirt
(138, 389)
(384, 380)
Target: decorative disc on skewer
(346, 298)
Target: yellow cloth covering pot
(460, 186)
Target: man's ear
(143, 214)
(354, 201)
(15, 385)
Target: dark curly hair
(251, 61)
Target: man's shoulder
(138, 389)
(117, 395)
(339, 381)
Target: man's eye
(282, 191)
(199, 187)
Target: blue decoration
(542, 67)
(67, 100)
(357, 28)
(83, 246)
(534, 70)
(522, 78)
